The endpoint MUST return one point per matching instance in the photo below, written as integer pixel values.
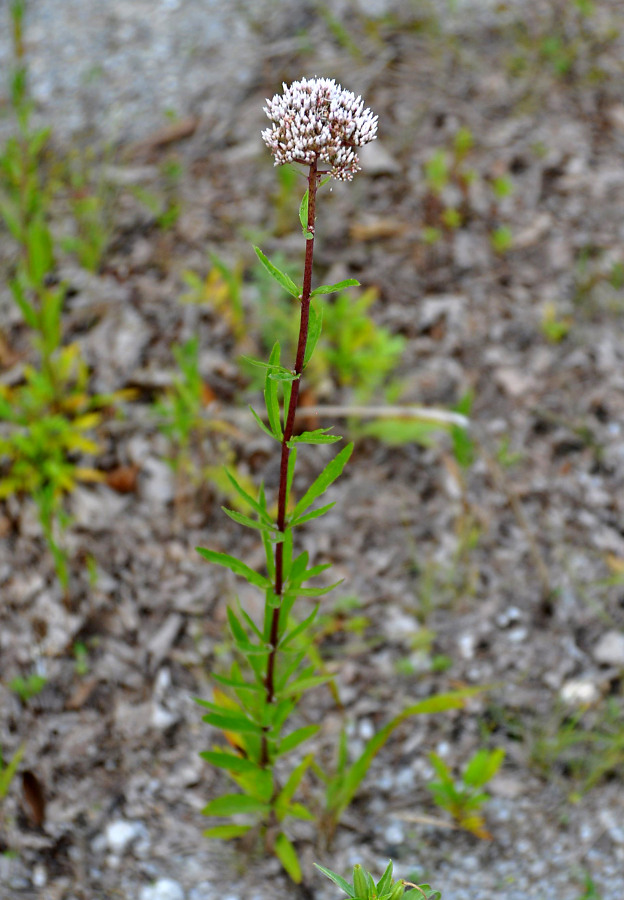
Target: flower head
(315, 119)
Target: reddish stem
(289, 425)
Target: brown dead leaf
(123, 479)
(8, 356)
(379, 228)
(208, 395)
(164, 136)
(81, 694)
(34, 797)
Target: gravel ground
(511, 569)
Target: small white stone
(39, 876)
(395, 834)
(466, 643)
(579, 691)
(120, 834)
(163, 889)
(609, 651)
(365, 729)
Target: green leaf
(226, 832)
(231, 763)
(235, 566)
(299, 811)
(232, 804)
(342, 884)
(286, 794)
(292, 460)
(250, 622)
(483, 766)
(26, 308)
(314, 437)
(259, 508)
(242, 519)
(8, 772)
(265, 365)
(315, 514)
(284, 378)
(297, 737)
(385, 882)
(444, 774)
(281, 277)
(231, 721)
(314, 330)
(300, 685)
(287, 855)
(303, 217)
(266, 540)
(329, 474)
(339, 286)
(234, 683)
(39, 243)
(298, 567)
(10, 215)
(238, 632)
(312, 592)
(298, 629)
(262, 425)
(270, 396)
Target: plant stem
(289, 425)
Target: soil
(496, 562)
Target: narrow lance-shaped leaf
(231, 762)
(242, 519)
(292, 460)
(232, 804)
(314, 437)
(261, 424)
(225, 721)
(226, 832)
(338, 286)
(288, 791)
(299, 629)
(483, 766)
(297, 737)
(315, 514)
(385, 881)
(240, 490)
(303, 216)
(312, 592)
(234, 565)
(329, 474)
(270, 395)
(287, 855)
(281, 277)
(338, 880)
(314, 330)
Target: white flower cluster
(316, 119)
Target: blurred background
(486, 230)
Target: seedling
(464, 799)
(29, 687)
(363, 886)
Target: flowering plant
(314, 123)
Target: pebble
(394, 835)
(121, 834)
(578, 691)
(163, 889)
(609, 651)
